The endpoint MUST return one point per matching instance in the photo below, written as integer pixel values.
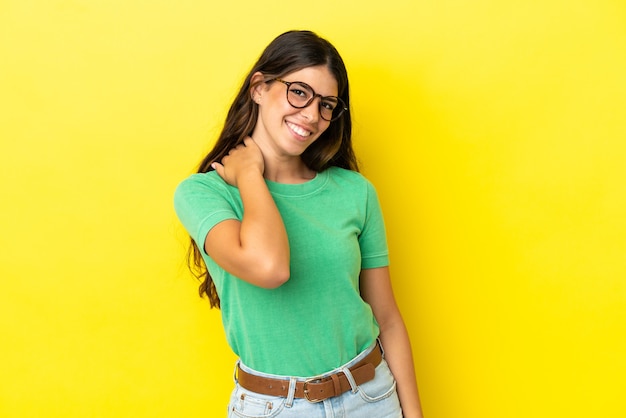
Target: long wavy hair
(289, 52)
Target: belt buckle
(306, 391)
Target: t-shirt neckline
(298, 189)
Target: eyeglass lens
(300, 95)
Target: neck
(289, 172)
(282, 168)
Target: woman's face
(283, 129)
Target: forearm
(395, 341)
(263, 236)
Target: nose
(312, 110)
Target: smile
(298, 130)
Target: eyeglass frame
(340, 103)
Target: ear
(258, 86)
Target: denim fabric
(374, 399)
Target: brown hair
(289, 52)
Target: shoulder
(348, 176)
(201, 181)
(351, 180)
(201, 185)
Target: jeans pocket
(381, 387)
(246, 404)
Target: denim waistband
(349, 364)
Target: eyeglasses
(300, 95)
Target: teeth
(298, 130)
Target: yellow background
(494, 131)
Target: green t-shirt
(316, 321)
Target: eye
(329, 103)
(298, 92)
(302, 91)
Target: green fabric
(316, 321)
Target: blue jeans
(374, 399)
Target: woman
(294, 242)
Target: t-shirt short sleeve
(373, 239)
(202, 201)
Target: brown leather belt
(315, 389)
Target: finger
(219, 168)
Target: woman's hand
(244, 159)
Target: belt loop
(336, 385)
(348, 375)
(382, 350)
(235, 372)
(292, 392)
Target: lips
(299, 130)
